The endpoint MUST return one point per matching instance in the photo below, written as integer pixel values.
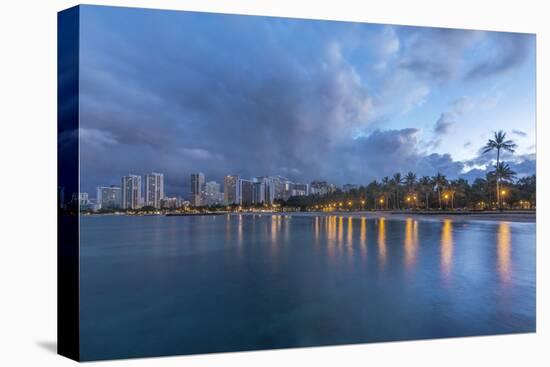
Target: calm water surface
(182, 285)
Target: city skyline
(137, 191)
(305, 99)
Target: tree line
(436, 192)
(499, 189)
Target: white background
(28, 183)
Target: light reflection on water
(363, 237)
(447, 248)
(382, 241)
(411, 241)
(238, 282)
(504, 249)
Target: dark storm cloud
(522, 164)
(509, 50)
(443, 163)
(382, 153)
(179, 92)
(519, 133)
(449, 118)
(439, 54)
(216, 103)
(401, 153)
(524, 167)
(436, 53)
(443, 124)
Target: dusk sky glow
(178, 92)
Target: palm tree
(480, 193)
(439, 181)
(397, 180)
(385, 188)
(452, 188)
(410, 180)
(502, 172)
(499, 143)
(426, 187)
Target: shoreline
(517, 217)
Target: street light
(502, 194)
(446, 196)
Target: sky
(180, 92)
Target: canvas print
(235, 183)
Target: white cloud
(96, 138)
(416, 98)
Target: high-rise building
(320, 188)
(109, 197)
(197, 188)
(230, 189)
(131, 191)
(259, 192)
(154, 189)
(212, 194)
(245, 192)
(288, 188)
(264, 190)
(279, 186)
(269, 190)
(300, 189)
(170, 203)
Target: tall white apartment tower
(154, 189)
(197, 187)
(131, 191)
(230, 189)
(109, 197)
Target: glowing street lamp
(446, 197)
(502, 194)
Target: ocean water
(159, 285)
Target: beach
(493, 216)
